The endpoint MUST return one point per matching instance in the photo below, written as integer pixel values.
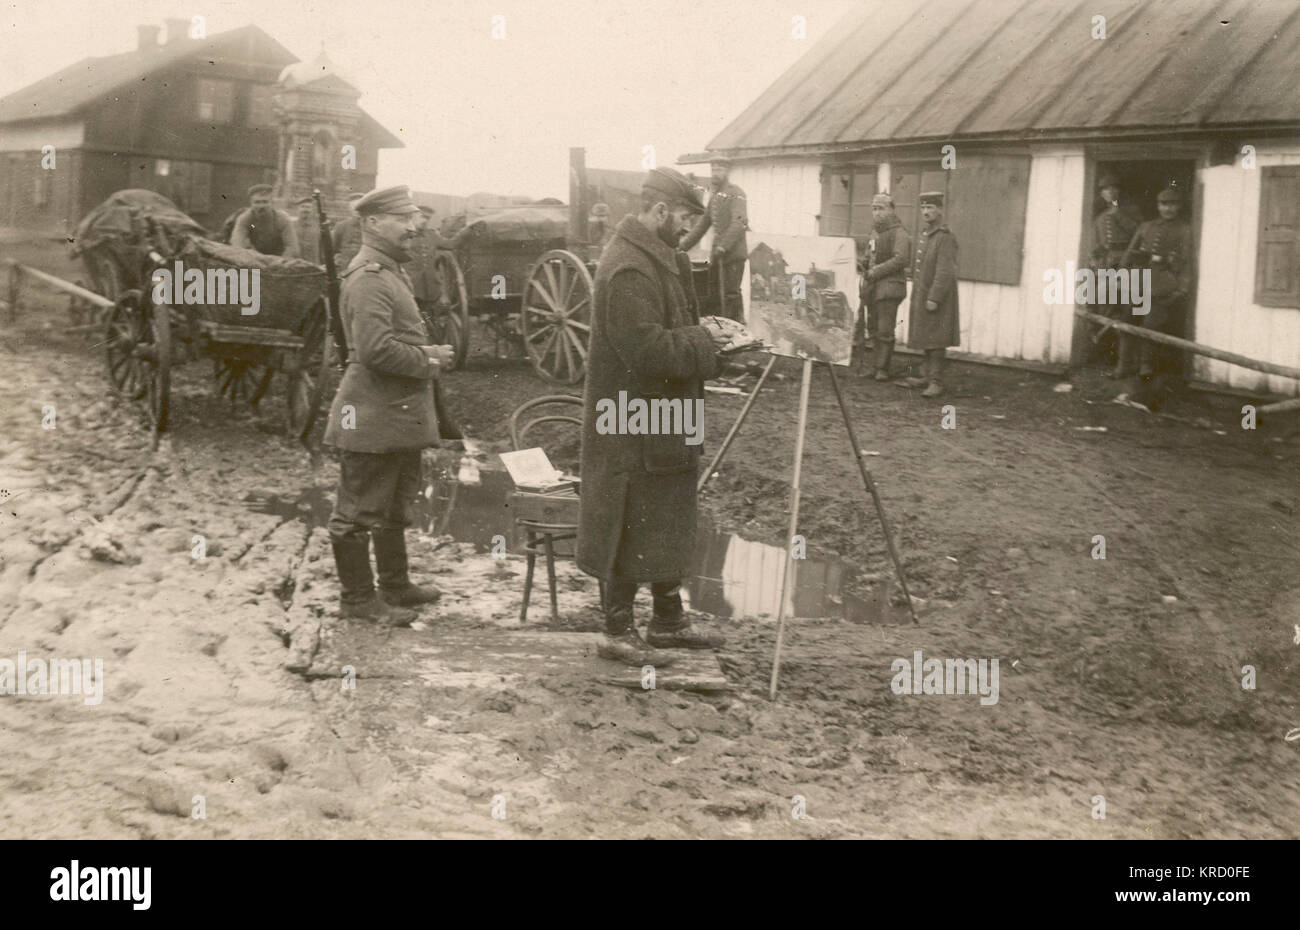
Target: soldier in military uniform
(884, 280)
(347, 235)
(1164, 246)
(383, 414)
(263, 228)
(1112, 231)
(933, 323)
(729, 218)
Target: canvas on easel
(803, 295)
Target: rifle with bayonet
(332, 275)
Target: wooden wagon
(134, 242)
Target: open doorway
(1140, 182)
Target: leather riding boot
(394, 581)
(358, 600)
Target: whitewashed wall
(996, 319)
(1227, 316)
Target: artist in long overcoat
(637, 504)
(933, 320)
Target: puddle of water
(730, 576)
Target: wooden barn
(198, 120)
(1037, 98)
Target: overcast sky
(478, 113)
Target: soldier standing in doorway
(1164, 246)
(1112, 231)
(933, 322)
(728, 216)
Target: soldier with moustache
(1164, 246)
(383, 415)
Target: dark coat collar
(631, 229)
(374, 249)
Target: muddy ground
(223, 676)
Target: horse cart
(517, 269)
(179, 297)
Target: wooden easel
(790, 571)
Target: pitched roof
(85, 83)
(949, 69)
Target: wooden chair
(547, 519)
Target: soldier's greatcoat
(934, 277)
(387, 382)
(637, 504)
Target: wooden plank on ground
(537, 652)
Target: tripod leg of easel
(735, 427)
(875, 495)
(790, 571)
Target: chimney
(147, 37)
(177, 29)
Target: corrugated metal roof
(947, 69)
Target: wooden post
(1281, 406)
(1188, 346)
(790, 571)
(15, 289)
(578, 206)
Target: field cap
(386, 200)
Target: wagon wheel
(241, 379)
(447, 321)
(123, 332)
(555, 316)
(306, 375)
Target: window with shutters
(984, 206)
(1277, 257)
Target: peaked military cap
(934, 198)
(386, 200)
(259, 189)
(674, 186)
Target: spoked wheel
(306, 376)
(241, 379)
(448, 320)
(124, 331)
(555, 316)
